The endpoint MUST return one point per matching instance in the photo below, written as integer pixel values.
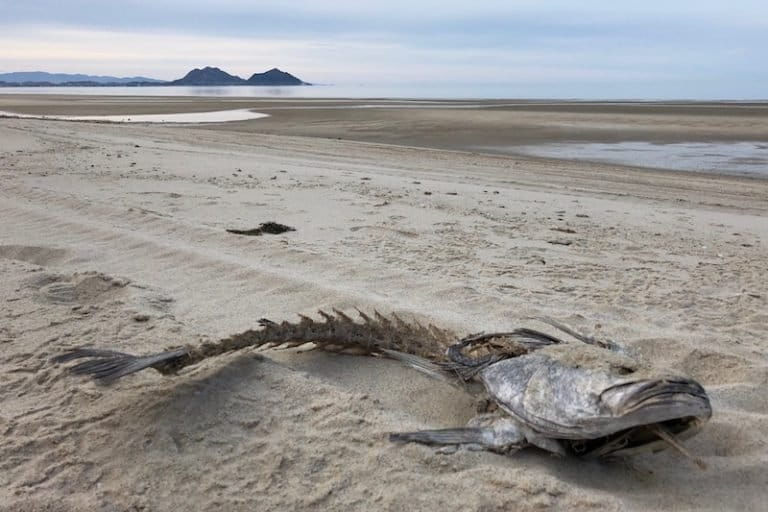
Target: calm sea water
(457, 91)
(424, 91)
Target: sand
(114, 236)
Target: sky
(591, 49)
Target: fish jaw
(657, 400)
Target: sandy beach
(114, 236)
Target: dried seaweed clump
(270, 228)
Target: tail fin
(85, 352)
(106, 366)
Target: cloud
(323, 60)
(252, 18)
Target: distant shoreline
(141, 84)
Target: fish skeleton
(584, 398)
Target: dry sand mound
(30, 254)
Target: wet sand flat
(115, 236)
(459, 124)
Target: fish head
(600, 404)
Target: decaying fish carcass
(581, 397)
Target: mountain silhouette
(275, 77)
(209, 76)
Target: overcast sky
(587, 48)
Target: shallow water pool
(742, 158)
(220, 116)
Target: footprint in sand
(84, 288)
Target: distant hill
(207, 76)
(61, 78)
(275, 77)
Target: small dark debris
(755, 295)
(582, 215)
(495, 191)
(283, 171)
(747, 245)
(385, 203)
(365, 178)
(273, 178)
(136, 146)
(140, 317)
(451, 193)
(560, 242)
(239, 170)
(271, 228)
(564, 230)
(427, 193)
(416, 182)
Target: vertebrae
(337, 332)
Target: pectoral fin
(443, 437)
(502, 435)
